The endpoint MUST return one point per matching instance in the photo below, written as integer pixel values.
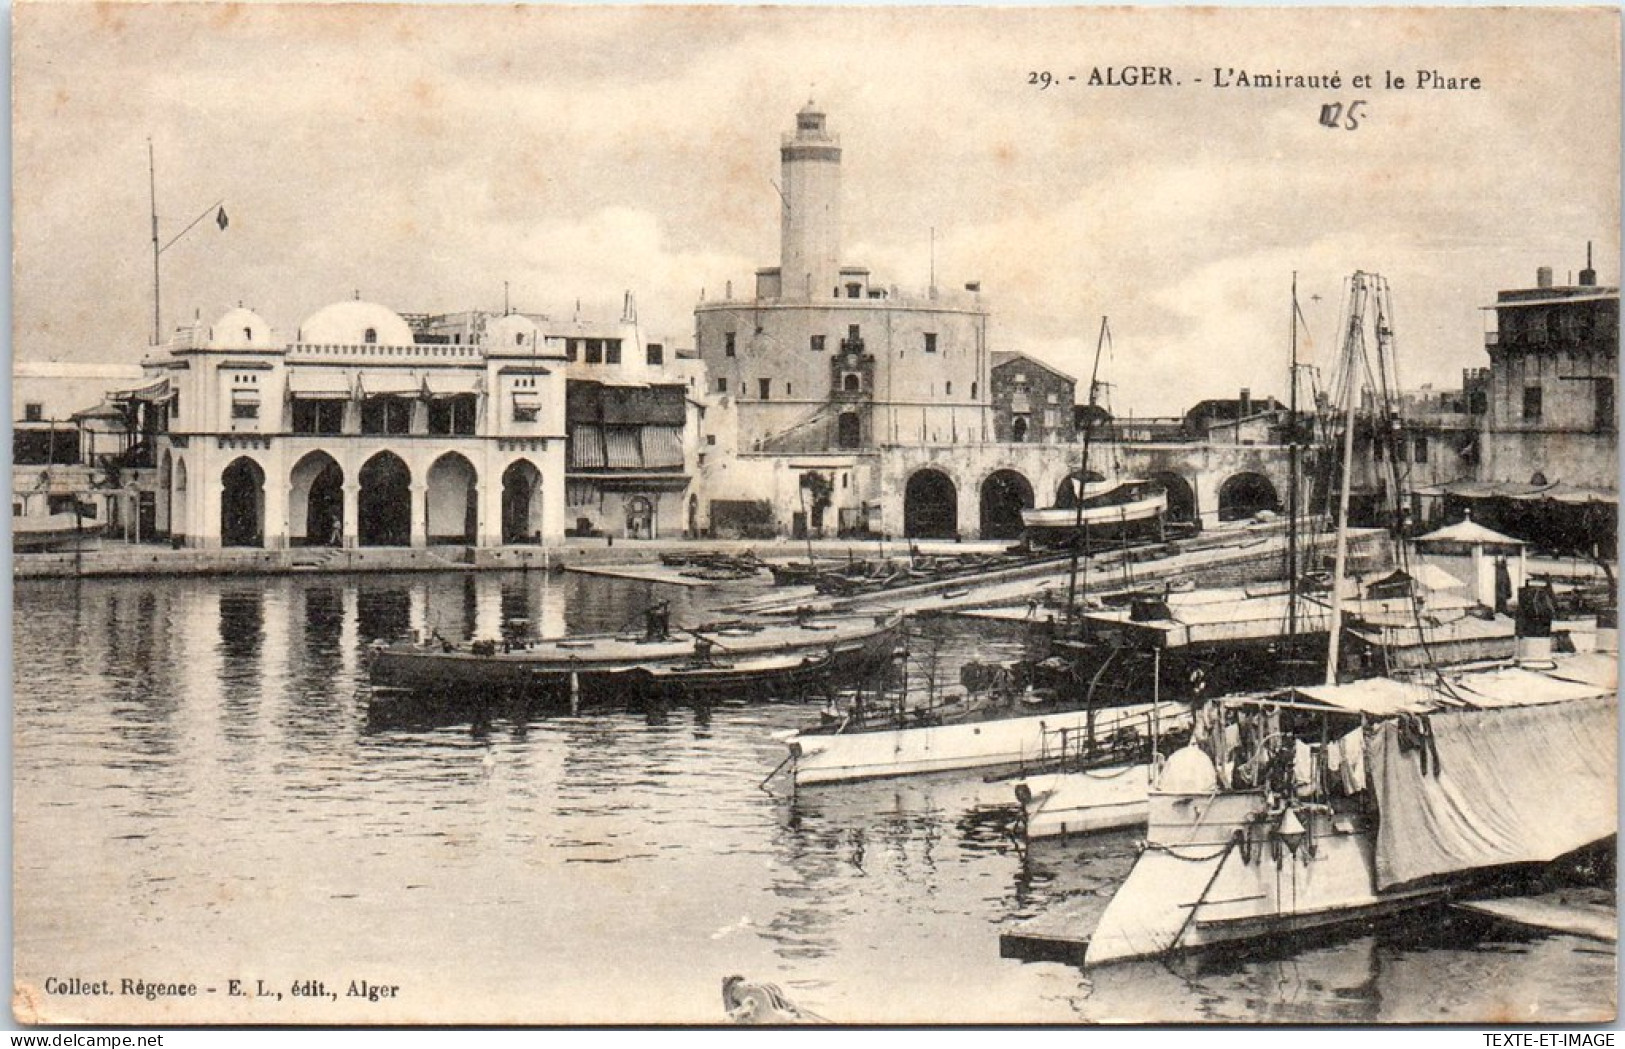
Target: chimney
(1246, 403)
(1588, 276)
(1543, 277)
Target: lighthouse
(810, 219)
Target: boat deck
(1057, 935)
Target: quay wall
(143, 560)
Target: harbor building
(1032, 401)
(631, 421)
(360, 431)
(1548, 445)
(825, 365)
(75, 452)
(820, 357)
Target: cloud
(423, 156)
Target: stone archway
(1004, 495)
(451, 507)
(640, 517)
(384, 507)
(521, 503)
(242, 504)
(316, 501)
(1182, 507)
(1244, 494)
(930, 506)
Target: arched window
(248, 334)
(370, 336)
(852, 384)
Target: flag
(220, 218)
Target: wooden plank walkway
(1589, 913)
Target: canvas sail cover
(1519, 784)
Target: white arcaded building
(358, 432)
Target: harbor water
(203, 792)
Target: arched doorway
(316, 501)
(452, 504)
(1005, 494)
(1246, 494)
(166, 485)
(930, 506)
(1066, 493)
(640, 518)
(242, 504)
(849, 430)
(178, 497)
(522, 503)
(1018, 430)
(1181, 498)
(384, 509)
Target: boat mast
(1292, 476)
(1078, 533)
(1353, 356)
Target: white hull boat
(1458, 776)
(1111, 510)
(1058, 804)
(835, 755)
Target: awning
(101, 411)
(318, 384)
(245, 396)
(156, 392)
(1516, 687)
(1379, 697)
(1503, 786)
(1527, 493)
(662, 446)
(1611, 295)
(586, 447)
(1468, 532)
(621, 449)
(527, 401)
(1500, 687)
(389, 383)
(452, 383)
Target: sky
(424, 157)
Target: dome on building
(513, 330)
(240, 329)
(355, 323)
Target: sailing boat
(1005, 729)
(1107, 508)
(1215, 640)
(1334, 803)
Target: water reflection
(215, 741)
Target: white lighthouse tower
(810, 226)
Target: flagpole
(159, 249)
(152, 186)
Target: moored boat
(1337, 803)
(709, 677)
(592, 667)
(1125, 508)
(988, 737)
(33, 533)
